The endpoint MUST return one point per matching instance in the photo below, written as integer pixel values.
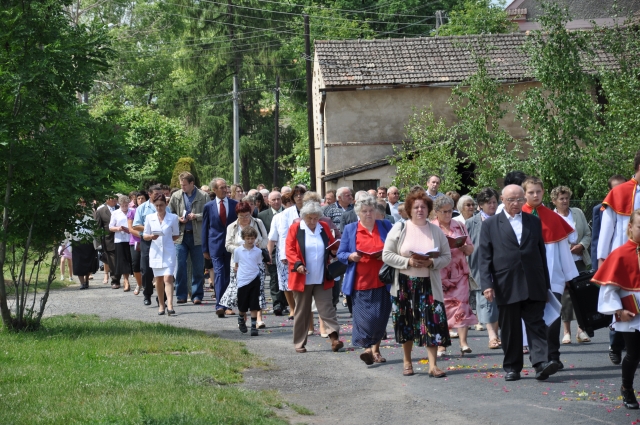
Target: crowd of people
(435, 263)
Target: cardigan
(295, 256)
(391, 256)
(348, 246)
(584, 234)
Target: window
(365, 185)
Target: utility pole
(276, 132)
(312, 148)
(236, 132)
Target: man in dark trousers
(103, 217)
(277, 296)
(217, 215)
(513, 268)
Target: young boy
(247, 259)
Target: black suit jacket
(267, 217)
(348, 217)
(515, 272)
(103, 217)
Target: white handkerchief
(552, 309)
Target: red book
(369, 254)
(434, 253)
(456, 242)
(630, 303)
(334, 246)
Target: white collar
(218, 200)
(517, 216)
(308, 231)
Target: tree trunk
(244, 168)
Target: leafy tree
(478, 17)
(52, 151)
(184, 164)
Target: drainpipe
(323, 100)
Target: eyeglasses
(515, 200)
(469, 205)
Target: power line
(347, 10)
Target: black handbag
(336, 269)
(387, 274)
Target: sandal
(440, 353)
(583, 337)
(494, 344)
(377, 358)
(137, 290)
(437, 373)
(453, 335)
(367, 358)
(408, 371)
(566, 339)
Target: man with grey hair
(351, 216)
(393, 200)
(277, 296)
(285, 190)
(344, 204)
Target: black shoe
(277, 312)
(181, 301)
(629, 398)
(158, 303)
(254, 331)
(161, 313)
(615, 357)
(171, 312)
(559, 363)
(545, 369)
(101, 268)
(512, 376)
(82, 287)
(242, 326)
(147, 301)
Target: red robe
(554, 228)
(618, 198)
(621, 268)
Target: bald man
(514, 271)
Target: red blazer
(295, 255)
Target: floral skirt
(230, 297)
(283, 272)
(417, 316)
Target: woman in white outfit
(162, 229)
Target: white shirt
(248, 264)
(394, 210)
(613, 229)
(562, 267)
(313, 254)
(285, 219)
(119, 218)
(162, 253)
(609, 302)
(226, 205)
(516, 224)
(573, 237)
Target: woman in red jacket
(308, 257)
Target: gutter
(323, 102)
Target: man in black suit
(277, 296)
(513, 267)
(103, 217)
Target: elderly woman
(455, 277)
(418, 302)
(120, 227)
(466, 207)
(579, 242)
(278, 236)
(234, 241)
(486, 311)
(307, 259)
(361, 249)
(162, 229)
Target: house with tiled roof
(583, 12)
(365, 91)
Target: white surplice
(613, 230)
(609, 302)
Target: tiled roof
(421, 60)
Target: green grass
(80, 370)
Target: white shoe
(479, 327)
(70, 278)
(261, 325)
(62, 278)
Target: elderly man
(351, 216)
(513, 270)
(433, 184)
(344, 203)
(329, 199)
(188, 204)
(277, 296)
(103, 217)
(217, 215)
(285, 190)
(393, 199)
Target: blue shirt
(188, 200)
(142, 212)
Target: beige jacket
(584, 234)
(391, 256)
(233, 229)
(176, 203)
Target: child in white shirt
(247, 259)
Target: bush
(184, 164)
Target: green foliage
(184, 164)
(478, 17)
(52, 152)
(430, 149)
(80, 369)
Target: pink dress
(455, 282)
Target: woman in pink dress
(455, 277)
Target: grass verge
(79, 370)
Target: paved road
(339, 388)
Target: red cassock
(618, 198)
(554, 228)
(621, 268)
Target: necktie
(223, 213)
(535, 212)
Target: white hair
(364, 201)
(360, 194)
(311, 208)
(341, 190)
(464, 199)
(284, 189)
(265, 193)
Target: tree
(52, 152)
(478, 17)
(184, 164)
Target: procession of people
(436, 264)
